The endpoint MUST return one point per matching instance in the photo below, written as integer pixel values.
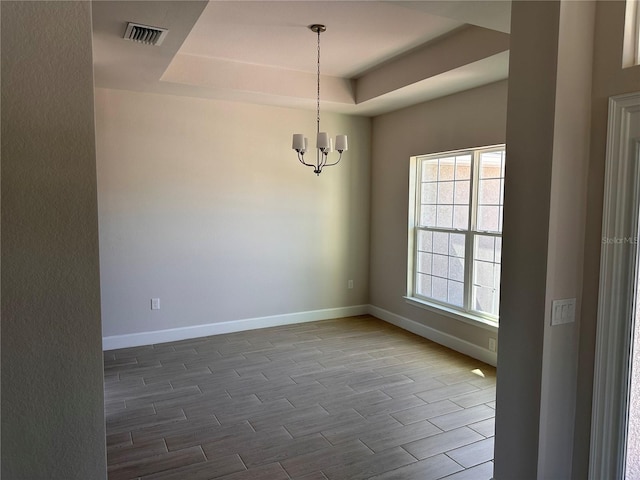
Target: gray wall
(609, 79)
(473, 118)
(548, 135)
(52, 394)
(203, 204)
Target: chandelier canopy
(324, 144)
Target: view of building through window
(457, 230)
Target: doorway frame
(617, 293)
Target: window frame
(637, 32)
(631, 42)
(463, 313)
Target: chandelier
(324, 144)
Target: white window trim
(617, 297)
(488, 322)
(631, 47)
(637, 33)
(478, 321)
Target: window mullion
(475, 182)
(470, 245)
(414, 280)
(468, 261)
(416, 223)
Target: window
(455, 231)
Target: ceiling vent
(145, 34)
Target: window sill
(449, 312)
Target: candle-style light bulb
(323, 140)
(298, 141)
(341, 143)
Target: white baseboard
(454, 343)
(195, 331)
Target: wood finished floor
(346, 399)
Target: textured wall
(469, 119)
(572, 122)
(609, 79)
(203, 204)
(530, 135)
(52, 394)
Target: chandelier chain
(318, 92)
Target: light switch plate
(563, 311)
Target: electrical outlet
(155, 304)
(350, 284)
(492, 345)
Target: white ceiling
(359, 35)
(375, 55)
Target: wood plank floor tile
(175, 397)
(300, 420)
(380, 383)
(304, 398)
(426, 411)
(420, 386)
(433, 468)
(155, 464)
(368, 467)
(118, 425)
(388, 406)
(133, 452)
(475, 398)
(435, 394)
(458, 377)
(164, 430)
(126, 392)
(257, 411)
(340, 456)
(485, 427)
(473, 454)
(267, 472)
(284, 450)
(245, 443)
(460, 418)
(480, 472)
(354, 400)
(442, 442)
(219, 467)
(119, 439)
(373, 426)
(205, 434)
(313, 476)
(399, 435)
(318, 423)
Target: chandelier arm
(301, 158)
(334, 163)
(324, 157)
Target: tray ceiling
(375, 56)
